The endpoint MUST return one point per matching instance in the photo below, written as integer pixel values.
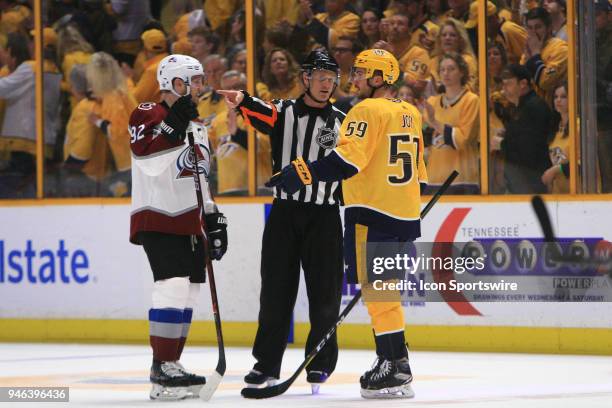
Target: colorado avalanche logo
(326, 138)
(185, 163)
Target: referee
(303, 228)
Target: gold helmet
(378, 60)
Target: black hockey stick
(213, 380)
(278, 389)
(542, 213)
(544, 219)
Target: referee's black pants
(311, 235)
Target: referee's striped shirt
(297, 129)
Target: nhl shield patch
(326, 138)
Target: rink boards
(68, 273)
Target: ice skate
(170, 383)
(387, 379)
(316, 378)
(196, 381)
(255, 379)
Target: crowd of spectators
(100, 59)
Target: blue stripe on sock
(166, 315)
(187, 315)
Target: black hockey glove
(176, 121)
(293, 177)
(216, 223)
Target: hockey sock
(165, 330)
(391, 346)
(187, 314)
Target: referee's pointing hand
(232, 98)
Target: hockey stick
(544, 219)
(278, 389)
(213, 380)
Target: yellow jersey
(550, 68)
(116, 107)
(219, 12)
(514, 38)
(460, 148)
(210, 105)
(268, 94)
(382, 139)
(232, 158)
(425, 33)
(558, 151)
(147, 88)
(414, 62)
(346, 24)
(86, 142)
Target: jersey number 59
(356, 128)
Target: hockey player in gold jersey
(380, 158)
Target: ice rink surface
(117, 376)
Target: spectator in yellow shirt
(211, 103)
(454, 38)
(87, 159)
(327, 27)
(453, 117)
(72, 49)
(219, 12)
(111, 115)
(508, 33)
(545, 56)
(424, 31)
(228, 137)
(280, 77)
(155, 45)
(413, 60)
(556, 177)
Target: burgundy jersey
(163, 189)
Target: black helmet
(320, 59)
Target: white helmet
(177, 66)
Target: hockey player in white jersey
(166, 219)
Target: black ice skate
(316, 378)
(254, 379)
(170, 383)
(196, 381)
(387, 379)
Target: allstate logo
(185, 162)
(36, 265)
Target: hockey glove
(216, 223)
(293, 177)
(176, 121)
